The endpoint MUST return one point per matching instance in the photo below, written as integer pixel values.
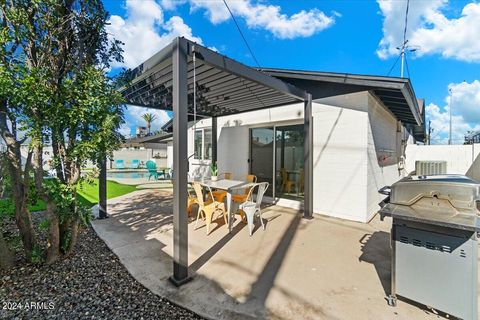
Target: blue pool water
(128, 175)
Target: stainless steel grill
(435, 220)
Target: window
(203, 144)
(198, 144)
(207, 144)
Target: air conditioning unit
(428, 168)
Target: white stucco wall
(339, 157)
(459, 157)
(170, 154)
(233, 138)
(385, 150)
(352, 135)
(127, 155)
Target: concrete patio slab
(323, 268)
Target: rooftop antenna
(405, 45)
(450, 116)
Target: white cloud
(464, 101)
(171, 4)
(134, 117)
(269, 17)
(125, 130)
(144, 31)
(430, 29)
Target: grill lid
(439, 191)
(447, 200)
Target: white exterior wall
(233, 138)
(386, 145)
(340, 157)
(127, 155)
(459, 157)
(351, 133)
(170, 154)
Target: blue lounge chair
(152, 169)
(135, 164)
(119, 164)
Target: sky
(350, 36)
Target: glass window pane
(261, 155)
(289, 162)
(197, 154)
(207, 144)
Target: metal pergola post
(214, 139)
(102, 188)
(180, 163)
(308, 158)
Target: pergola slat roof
(223, 86)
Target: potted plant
(214, 171)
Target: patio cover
(223, 87)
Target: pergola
(222, 87)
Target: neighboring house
(141, 132)
(47, 155)
(360, 136)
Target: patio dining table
(230, 186)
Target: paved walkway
(324, 268)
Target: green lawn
(88, 193)
(8, 207)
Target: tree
(53, 87)
(149, 118)
(6, 255)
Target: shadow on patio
(295, 269)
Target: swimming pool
(128, 175)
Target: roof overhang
(142, 141)
(395, 93)
(223, 86)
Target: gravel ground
(92, 284)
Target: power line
(394, 64)
(406, 23)
(241, 33)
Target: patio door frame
(274, 155)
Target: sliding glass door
(289, 162)
(276, 156)
(261, 155)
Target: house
(352, 137)
(361, 126)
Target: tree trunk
(53, 242)
(20, 190)
(6, 255)
(25, 226)
(53, 246)
(74, 236)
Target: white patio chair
(252, 208)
